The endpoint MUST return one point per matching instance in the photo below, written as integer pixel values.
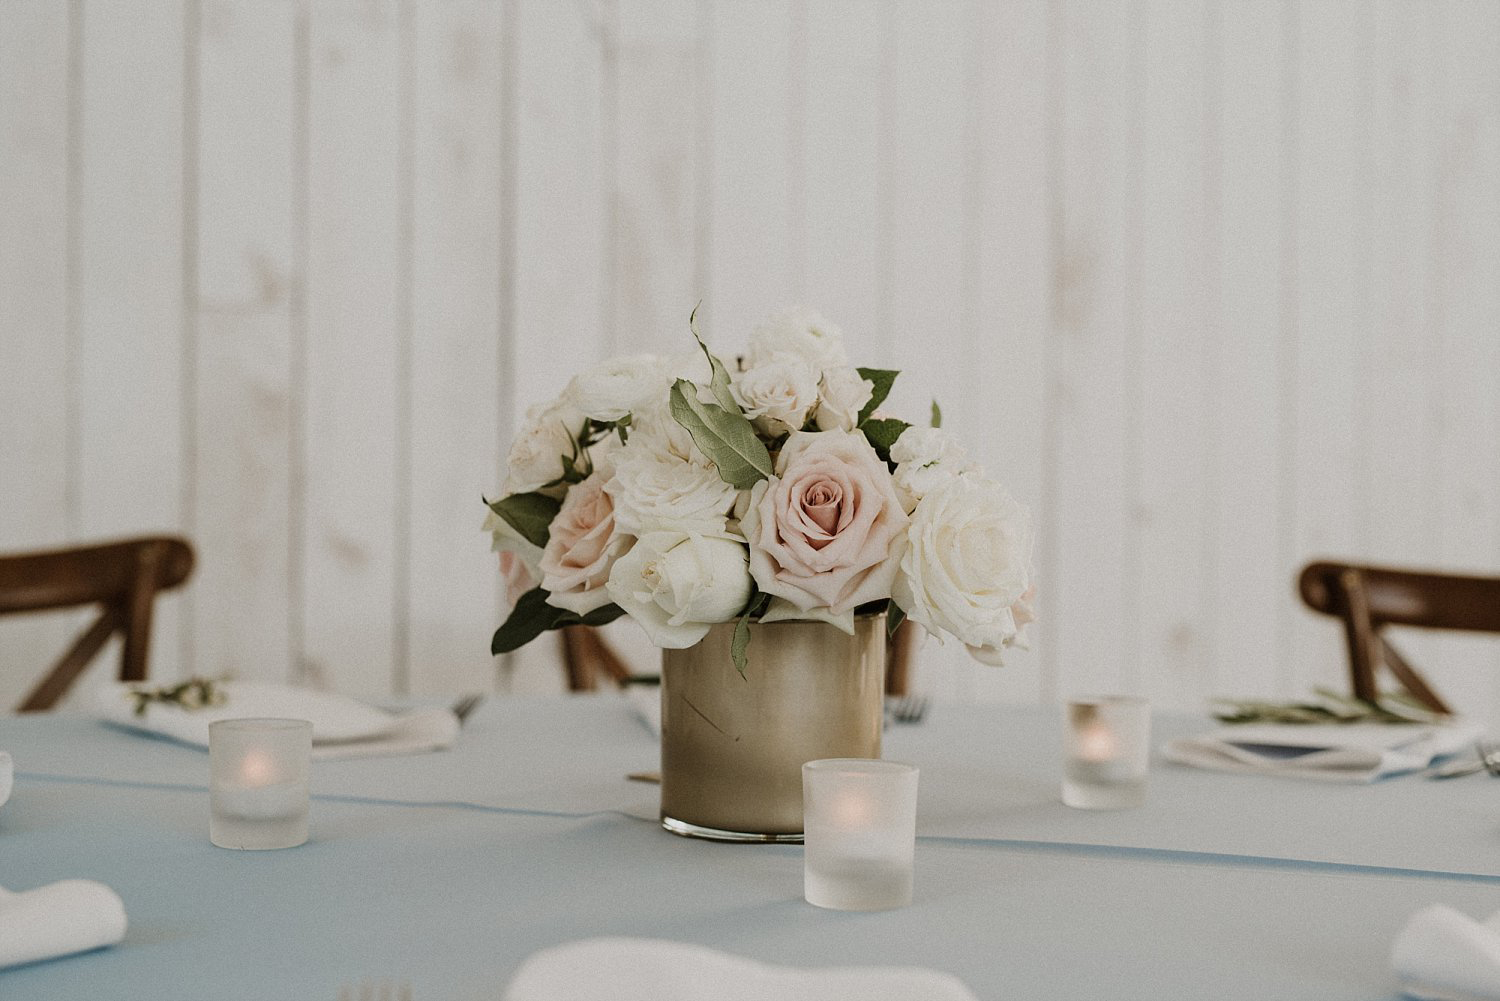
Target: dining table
(444, 871)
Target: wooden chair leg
(51, 688)
(577, 663)
(899, 648)
(1360, 633)
(1410, 680)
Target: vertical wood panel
(355, 302)
(1400, 474)
(839, 227)
(35, 348)
(1249, 588)
(457, 213)
(563, 160)
(1332, 274)
(246, 270)
(1093, 600)
(130, 283)
(1008, 352)
(931, 211)
(1176, 424)
(657, 254)
(750, 256)
(1466, 274)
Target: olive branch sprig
(194, 693)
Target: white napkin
(1447, 956)
(68, 916)
(1335, 752)
(638, 969)
(7, 776)
(342, 727)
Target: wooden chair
(1369, 598)
(123, 578)
(587, 657)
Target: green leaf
(601, 616)
(882, 379)
(894, 616)
(719, 381)
(530, 514)
(739, 644)
(532, 616)
(937, 415)
(882, 434)
(726, 436)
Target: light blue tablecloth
(446, 870)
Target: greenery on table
(1328, 707)
(194, 693)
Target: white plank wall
(1214, 287)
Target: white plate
(335, 718)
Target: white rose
(777, 394)
(619, 386)
(536, 455)
(802, 333)
(925, 459)
(967, 562)
(678, 584)
(662, 482)
(843, 395)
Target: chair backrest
(1369, 598)
(122, 578)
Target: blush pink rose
(826, 532)
(582, 546)
(517, 577)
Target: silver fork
(383, 990)
(466, 705)
(910, 709)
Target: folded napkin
(1447, 956)
(58, 919)
(1336, 752)
(7, 776)
(638, 969)
(342, 727)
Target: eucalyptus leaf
(894, 616)
(719, 380)
(739, 644)
(882, 434)
(881, 378)
(530, 514)
(726, 436)
(937, 415)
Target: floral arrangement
(683, 495)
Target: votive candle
(258, 782)
(859, 833)
(1107, 749)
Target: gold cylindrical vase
(732, 747)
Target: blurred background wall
(1214, 287)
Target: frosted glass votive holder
(258, 772)
(859, 822)
(1106, 752)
